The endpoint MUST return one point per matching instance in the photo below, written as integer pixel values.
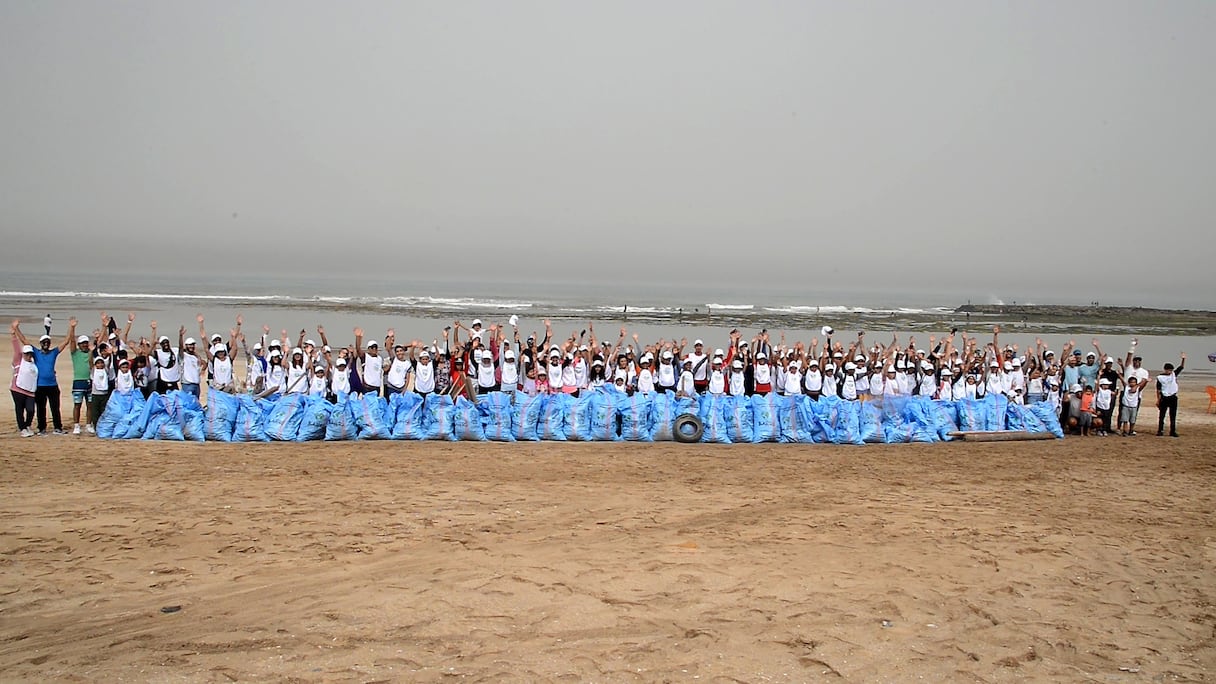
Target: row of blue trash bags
(595, 416)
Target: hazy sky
(1033, 146)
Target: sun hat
(27, 349)
(79, 340)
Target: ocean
(419, 310)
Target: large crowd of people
(1094, 392)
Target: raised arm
(67, 341)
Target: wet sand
(1076, 560)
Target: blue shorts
(80, 390)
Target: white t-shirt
(699, 369)
(101, 381)
(162, 358)
(424, 377)
(1167, 384)
(398, 370)
(190, 369)
(124, 381)
(221, 370)
(373, 371)
(645, 380)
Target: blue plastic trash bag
(635, 412)
(765, 427)
(249, 426)
(283, 421)
(466, 422)
(944, 417)
(895, 426)
(737, 417)
(498, 416)
(409, 417)
(369, 413)
(314, 421)
(663, 416)
(716, 430)
(440, 417)
(992, 407)
(1048, 418)
(1014, 419)
(816, 418)
(602, 413)
(131, 425)
(119, 405)
(342, 425)
(790, 427)
(970, 415)
(920, 415)
(220, 416)
(527, 415)
(871, 423)
(193, 425)
(553, 417)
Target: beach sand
(1076, 560)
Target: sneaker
(42, 433)
(92, 430)
(75, 429)
(1173, 434)
(60, 431)
(1131, 434)
(27, 433)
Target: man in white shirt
(1167, 396)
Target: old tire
(688, 428)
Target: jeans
(1169, 404)
(191, 388)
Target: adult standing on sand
(25, 381)
(1167, 396)
(46, 324)
(48, 383)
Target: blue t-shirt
(45, 360)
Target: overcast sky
(1030, 145)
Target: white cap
(814, 362)
(297, 350)
(667, 354)
(719, 352)
(829, 368)
(697, 342)
(993, 364)
(1007, 366)
(826, 330)
(1049, 353)
(1076, 387)
(947, 371)
(257, 346)
(1108, 360)
(1104, 381)
(555, 354)
(850, 366)
(276, 343)
(597, 362)
(510, 354)
(761, 355)
(838, 355)
(736, 364)
(326, 348)
(647, 358)
(217, 348)
(901, 364)
(216, 336)
(340, 362)
(925, 365)
(582, 347)
(425, 353)
(476, 322)
(373, 343)
(190, 341)
(795, 364)
(276, 354)
(79, 340)
(487, 356)
(162, 339)
(1091, 355)
(1016, 362)
(920, 352)
(859, 357)
(98, 359)
(514, 320)
(126, 361)
(27, 349)
(309, 343)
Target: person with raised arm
(47, 393)
(25, 381)
(82, 369)
(1167, 396)
(372, 372)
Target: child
(1104, 405)
(1087, 412)
(99, 393)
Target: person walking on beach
(1167, 396)
(47, 392)
(46, 324)
(25, 381)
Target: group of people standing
(479, 359)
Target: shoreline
(1020, 319)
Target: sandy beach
(1076, 560)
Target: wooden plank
(1002, 436)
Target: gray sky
(804, 143)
